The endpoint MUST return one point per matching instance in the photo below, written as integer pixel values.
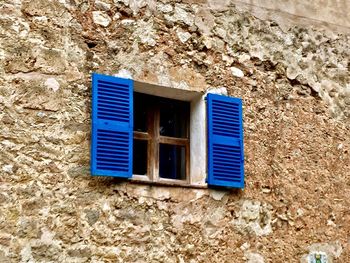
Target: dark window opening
(140, 157)
(174, 119)
(140, 113)
(172, 161)
(161, 137)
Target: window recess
(161, 133)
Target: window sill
(141, 179)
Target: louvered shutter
(112, 126)
(225, 141)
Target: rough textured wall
(331, 14)
(296, 90)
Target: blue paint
(112, 126)
(225, 141)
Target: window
(161, 139)
(165, 135)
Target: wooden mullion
(141, 135)
(174, 141)
(150, 153)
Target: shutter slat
(226, 104)
(225, 151)
(112, 126)
(224, 118)
(223, 160)
(104, 151)
(116, 136)
(114, 118)
(223, 178)
(225, 141)
(119, 101)
(113, 89)
(225, 123)
(224, 155)
(120, 113)
(113, 86)
(107, 106)
(111, 168)
(109, 160)
(231, 113)
(113, 115)
(106, 97)
(106, 145)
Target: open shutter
(112, 126)
(225, 141)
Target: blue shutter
(112, 126)
(225, 141)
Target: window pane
(140, 112)
(140, 157)
(172, 161)
(174, 118)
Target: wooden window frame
(154, 139)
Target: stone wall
(295, 84)
(328, 14)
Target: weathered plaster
(328, 14)
(294, 83)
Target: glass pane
(172, 161)
(174, 118)
(140, 112)
(140, 157)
